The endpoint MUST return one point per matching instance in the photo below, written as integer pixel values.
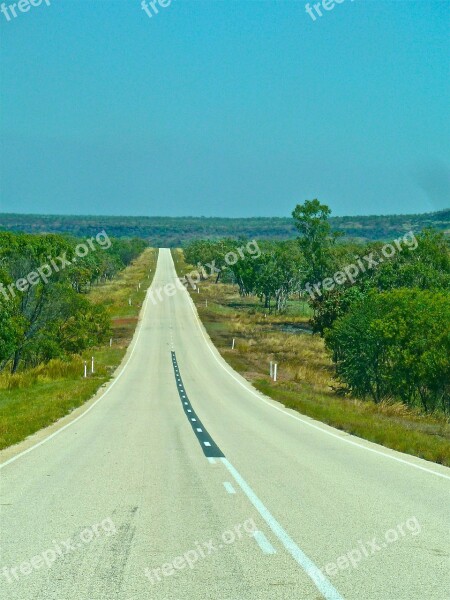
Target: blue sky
(225, 108)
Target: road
(183, 482)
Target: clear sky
(225, 107)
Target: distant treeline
(44, 311)
(179, 231)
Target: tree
(278, 275)
(50, 318)
(11, 331)
(316, 238)
(396, 345)
(426, 267)
(201, 253)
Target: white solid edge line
(262, 399)
(264, 543)
(88, 410)
(321, 582)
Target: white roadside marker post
(271, 370)
(92, 365)
(207, 304)
(110, 342)
(275, 368)
(198, 290)
(232, 345)
(85, 369)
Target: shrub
(396, 345)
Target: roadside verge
(305, 377)
(54, 397)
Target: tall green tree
(316, 238)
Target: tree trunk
(16, 360)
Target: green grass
(420, 437)
(36, 398)
(306, 380)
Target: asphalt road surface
(183, 482)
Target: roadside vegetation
(78, 314)
(369, 356)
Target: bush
(396, 345)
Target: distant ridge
(176, 231)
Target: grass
(36, 398)
(306, 381)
